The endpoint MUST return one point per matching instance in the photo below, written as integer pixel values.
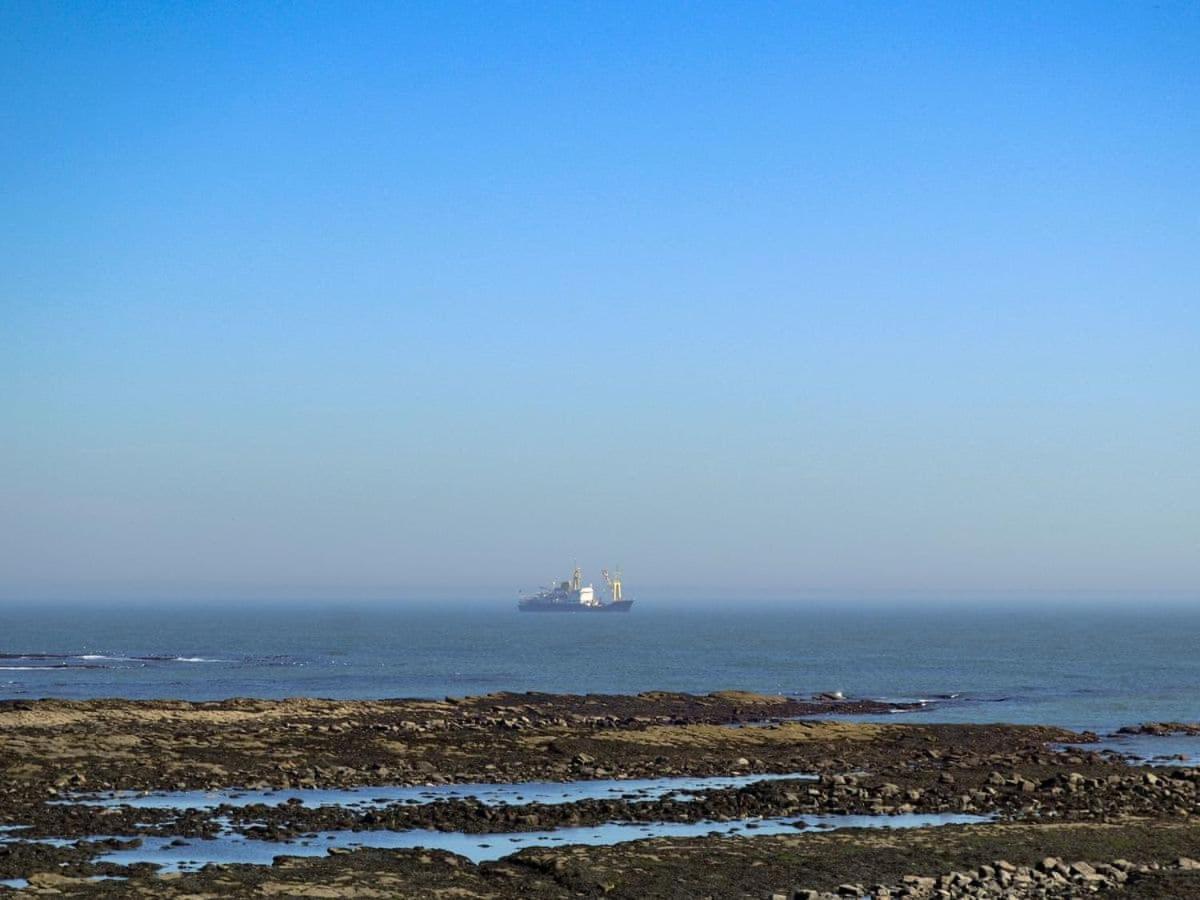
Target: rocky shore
(1161, 729)
(1050, 877)
(1109, 827)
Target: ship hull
(619, 606)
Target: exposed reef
(1110, 827)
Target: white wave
(25, 668)
(196, 659)
(56, 667)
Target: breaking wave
(21, 661)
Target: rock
(1084, 871)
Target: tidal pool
(173, 854)
(18, 884)
(1148, 749)
(545, 792)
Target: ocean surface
(1076, 666)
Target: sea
(1070, 665)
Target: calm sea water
(1079, 667)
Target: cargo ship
(575, 596)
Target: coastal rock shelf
(542, 796)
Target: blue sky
(385, 300)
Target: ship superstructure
(575, 596)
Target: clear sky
(395, 300)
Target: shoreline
(1039, 786)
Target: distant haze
(402, 301)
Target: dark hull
(621, 606)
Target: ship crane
(614, 584)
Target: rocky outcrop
(1050, 878)
(1162, 729)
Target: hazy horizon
(823, 300)
(670, 598)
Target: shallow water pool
(174, 855)
(1149, 749)
(545, 792)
